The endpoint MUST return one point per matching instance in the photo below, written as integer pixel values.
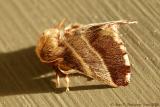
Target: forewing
(97, 51)
(106, 41)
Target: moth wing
(97, 51)
(105, 40)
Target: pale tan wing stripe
(98, 68)
(85, 66)
(103, 70)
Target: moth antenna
(132, 22)
(117, 23)
(105, 24)
(125, 22)
(61, 24)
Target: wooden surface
(25, 82)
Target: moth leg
(57, 80)
(66, 76)
(67, 82)
(72, 71)
(66, 70)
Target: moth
(95, 50)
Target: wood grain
(24, 81)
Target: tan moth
(95, 50)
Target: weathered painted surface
(22, 21)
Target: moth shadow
(84, 87)
(19, 71)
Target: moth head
(49, 47)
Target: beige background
(21, 82)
